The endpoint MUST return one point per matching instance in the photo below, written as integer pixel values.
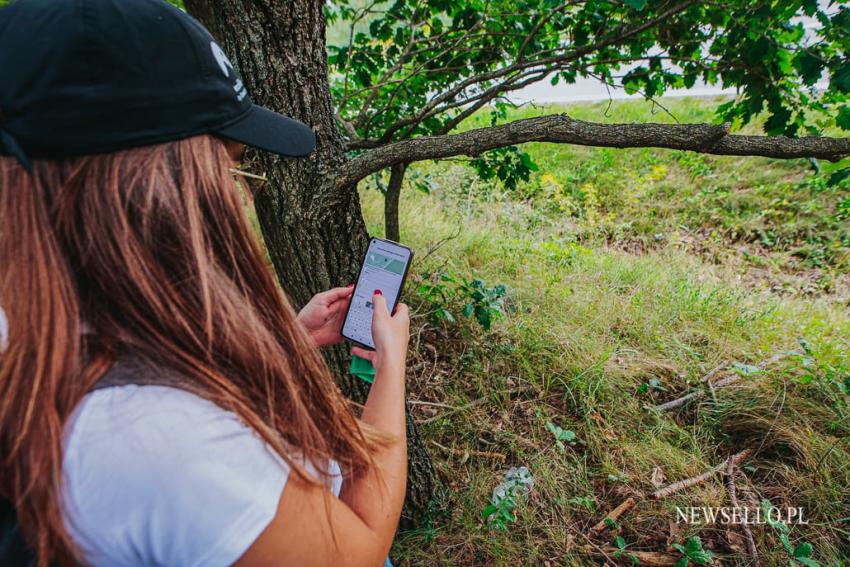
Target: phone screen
(384, 268)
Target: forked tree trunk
(313, 229)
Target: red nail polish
(378, 292)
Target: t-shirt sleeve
(159, 476)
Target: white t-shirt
(158, 476)
(4, 330)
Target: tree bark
(561, 129)
(313, 228)
(391, 199)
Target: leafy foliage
(801, 554)
(621, 552)
(692, 551)
(507, 496)
(444, 292)
(485, 303)
(408, 68)
(562, 436)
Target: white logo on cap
(224, 63)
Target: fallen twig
(666, 491)
(675, 487)
(437, 245)
(613, 515)
(698, 394)
(715, 371)
(727, 380)
(748, 533)
(472, 452)
(431, 404)
(456, 409)
(651, 558)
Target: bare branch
(561, 129)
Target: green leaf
(636, 4)
(783, 537)
(681, 562)
(803, 550)
(621, 542)
(488, 510)
(693, 550)
(842, 119)
(841, 79)
(838, 177)
(746, 369)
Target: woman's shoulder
(158, 475)
(134, 412)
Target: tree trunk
(391, 226)
(313, 228)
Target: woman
(126, 253)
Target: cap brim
(270, 131)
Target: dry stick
(675, 487)
(727, 381)
(715, 371)
(431, 404)
(666, 491)
(613, 515)
(733, 496)
(447, 413)
(698, 394)
(650, 558)
(472, 452)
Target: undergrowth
(584, 335)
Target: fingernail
(350, 285)
(378, 292)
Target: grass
(768, 221)
(630, 275)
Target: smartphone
(384, 267)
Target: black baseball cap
(94, 76)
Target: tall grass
(597, 333)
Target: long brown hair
(148, 248)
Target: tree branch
(566, 57)
(561, 129)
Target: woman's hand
(324, 314)
(390, 334)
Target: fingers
(380, 303)
(401, 310)
(337, 293)
(338, 306)
(363, 353)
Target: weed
(501, 511)
(801, 553)
(692, 551)
(486, 304)
(562, 436)
(621, 552)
